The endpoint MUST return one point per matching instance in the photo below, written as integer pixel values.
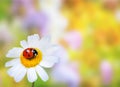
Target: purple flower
(32, 18)
(66, 72)
(37, 20)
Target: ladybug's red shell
(29, 53)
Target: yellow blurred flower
(90, 58)
(93, 81)
(107, 37)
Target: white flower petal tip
(49, 61)
(33, 37)
(14, 53)
(42, 74)
(43, 54)
(20, 75)
(31, 74)
(46, 39)
(12, 62)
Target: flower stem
(33, 84)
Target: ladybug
(30, 53)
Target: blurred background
(87, 30)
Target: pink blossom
(106, 72)
(73, 39)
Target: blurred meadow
(87, 30)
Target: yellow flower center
(31, 57)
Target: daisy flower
(30, 59)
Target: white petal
(45, 42)
(52, 50)
(33, 40)
(52, 59)
(31, 74)
(12, 62)
(14, 70)
(57, 51)
(21, 74)
(46, 64)
(36, 37)
(46, 39)
(48, 61)
(24, 44)
(41, 72)
(14, 53)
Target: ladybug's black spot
(35, 53)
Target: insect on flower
(34, 54)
